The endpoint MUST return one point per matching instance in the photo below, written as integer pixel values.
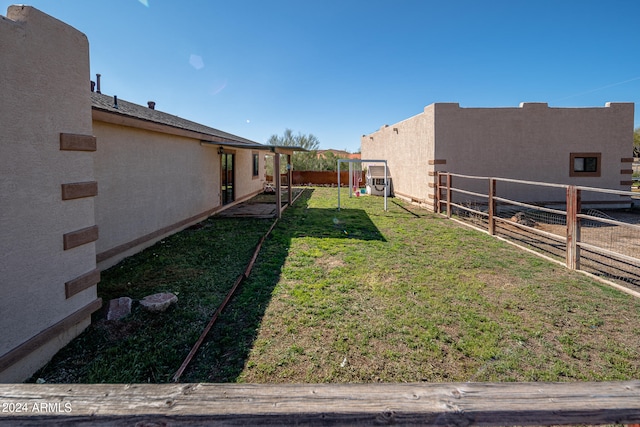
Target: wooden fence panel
(612, 263)
(319, 178)
(444, 404)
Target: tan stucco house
(159, 173)
(534, 142)
(87, 179)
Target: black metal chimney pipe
(98, 83)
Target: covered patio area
(263, 205)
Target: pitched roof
(106, 103)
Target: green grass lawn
(357, 295)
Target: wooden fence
(568, 231)
(319, 178)
(444, 404)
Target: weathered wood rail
(443, 404)
(571, 214)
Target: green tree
(328, 162)
(309, 160)
(636, 142)
(302, 160)
(288, 139)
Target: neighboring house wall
(407, 146)
(531, 142)
(47, 251)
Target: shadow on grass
(225, 351)
(199, 265)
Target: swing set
(352, 177)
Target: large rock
(158, 302)
(119, 308)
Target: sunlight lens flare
(219, 88)
(196, 62)
(144, 2)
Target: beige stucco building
(87, 179)
(47, 238)
(158, 173)
(531, 142)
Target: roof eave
(118, 118)
(235, 144)
(285, 149)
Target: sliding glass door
(226, 178)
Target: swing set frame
(351, 162)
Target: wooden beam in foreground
(442, 404)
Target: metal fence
(591, 229)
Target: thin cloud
(597, 89)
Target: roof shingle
(106, 103)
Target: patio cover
(276, 149)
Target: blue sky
(339, 69)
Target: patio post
(289, 179)
(339, 161)
(276, 176)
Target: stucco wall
(407, 146)
(153, 184)
(530, 142)
(246, 184)
(534, 142)
(44, 69)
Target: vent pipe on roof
(151, 105)
(98, 83)
(115, 101)
(93, 86)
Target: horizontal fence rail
(585, 234)
(444, 404)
